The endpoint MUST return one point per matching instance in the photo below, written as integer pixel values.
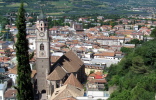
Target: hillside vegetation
(73, 7)
(135, 75)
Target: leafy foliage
(24, 85)
(31, 55)
(7, 52)
(135, 74)
(126, 50)
(59, 22)
(153, 33)
(135, 41)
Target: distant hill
(77, 7)
(130, 1)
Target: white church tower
(42, 54)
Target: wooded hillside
(135, 75)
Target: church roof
(72, 80)
(57, 74)
(66, 91)
(69, 61)
(72, 63)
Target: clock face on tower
(42, 54)
(41, 34)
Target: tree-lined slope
(135, 75)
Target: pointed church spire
(41, 16)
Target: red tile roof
(4, 59)
(92, 75)
(54, 58)
(100, 81)
(10, 93)
(112, 54)
(2, 41)
(98, 77)
(99, 73)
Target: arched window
(43, 91)
(41, 46)
(41, 29)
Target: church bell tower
(42, 52)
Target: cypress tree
(24, 85)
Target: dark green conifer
(24, 85)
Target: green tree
(135, 74)
(24, 85)
(31, 55)
(126, 50)
(8, 52)
(138, 65)
(92, 71)
(153, 33)
(135, 41)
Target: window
(41, 46)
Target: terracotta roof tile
(54, 58)
(105, 54)
(99, 73)
(92, 75)
(53, 29)
(98, 81)
(31, 36)
(13, 70)
(98, 77)
(93, 29)
(4, 59)
(10, 93)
